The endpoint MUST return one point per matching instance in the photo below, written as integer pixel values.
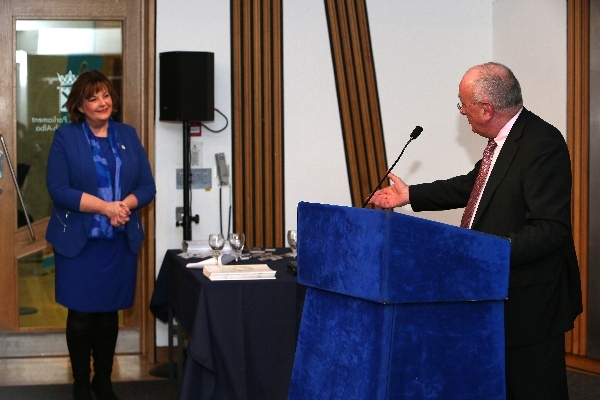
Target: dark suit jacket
(528, 200)
(71, 171)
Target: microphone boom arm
(388, 171)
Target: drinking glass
(292, 238)
(216, 241)
(236, 240)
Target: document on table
(223, 259)
(238, 272)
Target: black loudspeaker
(187, 86)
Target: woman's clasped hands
(118, 212)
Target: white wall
(191, 25)
(184, 25)
(536, 51)
(315, 167)
(421, 50)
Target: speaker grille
(186, 86)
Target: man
(526, 198)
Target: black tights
(92, 334)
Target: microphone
(414, 134)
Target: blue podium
(398, 307)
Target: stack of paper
(200, 248)
(223, 259)
(238, 272)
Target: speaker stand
(187, 218)
(167, 370)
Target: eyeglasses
(461, 107)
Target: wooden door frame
(138, 18)
(578, 57)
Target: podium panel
(398, 307)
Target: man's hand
(395, 195)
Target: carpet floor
(137, 390)
(581, 387)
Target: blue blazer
(71, 172)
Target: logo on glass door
(66, 81)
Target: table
(241, 334)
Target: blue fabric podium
(398, 307)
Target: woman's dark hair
(85, 86)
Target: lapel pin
(123, 146)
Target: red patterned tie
(479, 184)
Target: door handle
(14, 176)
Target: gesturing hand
(395, 195)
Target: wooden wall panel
(577, 140)
(357, 96)
(257, 123)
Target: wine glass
(216, 241)
(236, 240)
(292, 238)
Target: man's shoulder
(534, 135)
(530, 126)
(533, 121)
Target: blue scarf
(107, 191)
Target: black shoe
(82, 392)
(104, 390)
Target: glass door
(49, 57)
(43, 47)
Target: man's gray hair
(497, 85)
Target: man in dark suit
(526, 198)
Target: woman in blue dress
(98, 178)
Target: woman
(98, 177)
